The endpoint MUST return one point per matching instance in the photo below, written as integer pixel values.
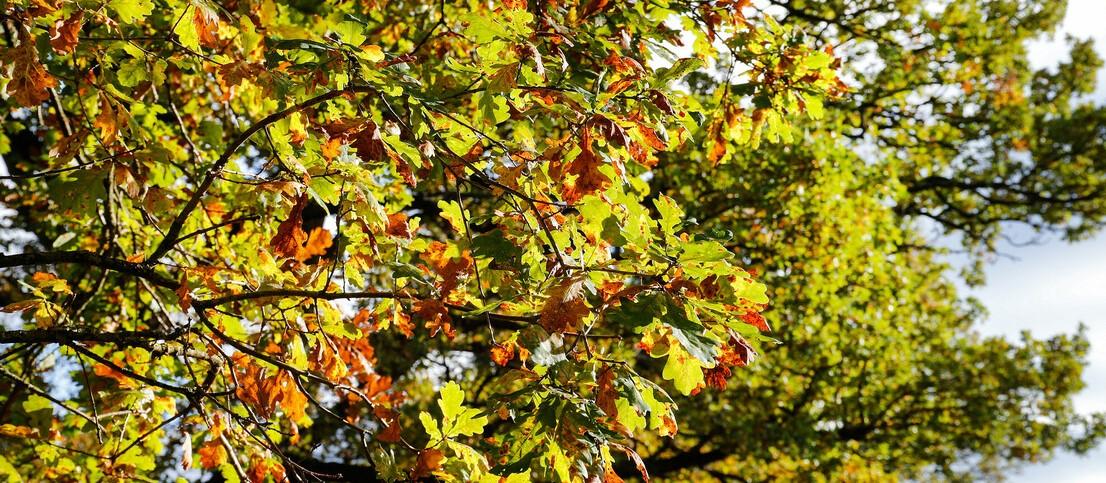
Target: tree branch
(83, 257)
(64, 336)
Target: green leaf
(671, 213)
(678, 70)
(351, 32)
(495, 246)
(683, 370)
(451, 211)
(817, 60)
(494, 108)
(37, 403)
(468, 423)
(814, 108)
(131, 72)
(296, 354)
(64, 239)
(9, 471)
(430, 425)
(131, 11)
(451, 397)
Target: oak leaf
(212, 454)
(429, 460)
(503, 353)
(318, 241)
(565, 308)
(29, 79)
(436, 316)
(63, 34)
(585, 168)
(290, 235)
(606, 396)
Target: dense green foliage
(487, 241)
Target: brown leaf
(29, 79)
(585, 167)
(392, 432)
(123, 176)
(606, 396)
(611, 131)
(565, 308)
(290, 235)
(63, 34)
(661, 101)
(636, 458)
(21, 306)
(436, 316)
(368, 143)
(106, 122)
(429, 460)
(450, 269)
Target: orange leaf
(503, 353)
(397, 225)
(332, 148)
(402, 323)
(206, 22)
(184, 293)
(63, 34)
(609, 476)
(317, 243)
(263, 468)
(451, 269)
(717, 148)
(212, 454)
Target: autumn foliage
(260, 223)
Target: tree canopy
(275, 240)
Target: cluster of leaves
(263, 227)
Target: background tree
(880, 373)
(392, 240)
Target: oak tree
(285, 240)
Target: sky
(1053, 287)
